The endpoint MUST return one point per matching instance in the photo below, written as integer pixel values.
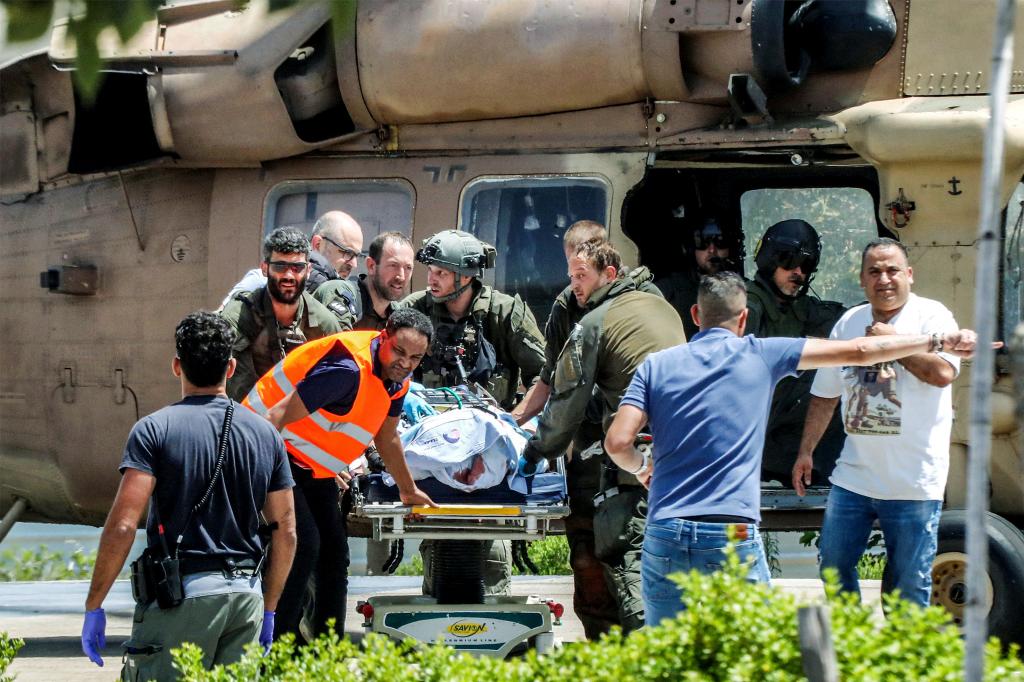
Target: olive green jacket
(807, 316)
(680, 290)
(566, 312)
(621, 327)
(507, 324)
(261, 343)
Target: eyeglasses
(282, 266)
(346, 253)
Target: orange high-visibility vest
(326, 442)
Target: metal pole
(986, 294)
(11, 517)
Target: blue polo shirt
(707, 405)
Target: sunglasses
(703, 241)
(346, 253)
(791, 260)
(282, 266)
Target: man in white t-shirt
(898, 417)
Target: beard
(383, 290)
(274, 288)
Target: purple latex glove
(94, 635)
(267, 631)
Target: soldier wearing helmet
(707, 249)
(779, 304)
(493, 334)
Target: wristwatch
(938, 340)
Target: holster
(157, 578)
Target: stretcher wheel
(457, 567)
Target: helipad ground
(48, 616)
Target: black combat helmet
(707, 230)
(788, 244)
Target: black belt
(207, 564)
(719, 518)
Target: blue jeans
(678, 546)
(909, 527)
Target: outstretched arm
(866, 350)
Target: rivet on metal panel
(119, 389)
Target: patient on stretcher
(468, 448)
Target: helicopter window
(378, 206)
(1013, 263)
(525, 218)
(844, 218)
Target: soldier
(494, 334)
(389, 264)
(706, 250)
(335, 246)
(787, 257)
(601, 354)
(593, 602)
(278, 316)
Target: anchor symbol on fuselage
(954, 182)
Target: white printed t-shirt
(897, 426)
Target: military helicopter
(218, 122)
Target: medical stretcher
(459, 614)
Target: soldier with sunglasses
(279, 316)
(778, 304)
(708, 251)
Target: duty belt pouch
(611, 523)
(142, 586)
(167, 586)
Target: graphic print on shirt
(873, 405)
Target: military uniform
(356, 296)
(500, 331)
(680, 290)
(261, 342)
(805, 316)
(597, 361)
(497, 320)
(593, 602)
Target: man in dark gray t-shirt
(172, 456)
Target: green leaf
(27, 19)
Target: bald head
(338, 238)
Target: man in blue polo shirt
(707, 404)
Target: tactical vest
(327, 442)
(466, 340)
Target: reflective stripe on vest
(327, 442)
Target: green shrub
(9, 647)
(42, 563)
(732, 631)
(870, 566)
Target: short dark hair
(600, 255)
(583, 231)
(377, 245)
(882, 243)
(409, 318)
(285, 240)
(720, 298)
(203, 342)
